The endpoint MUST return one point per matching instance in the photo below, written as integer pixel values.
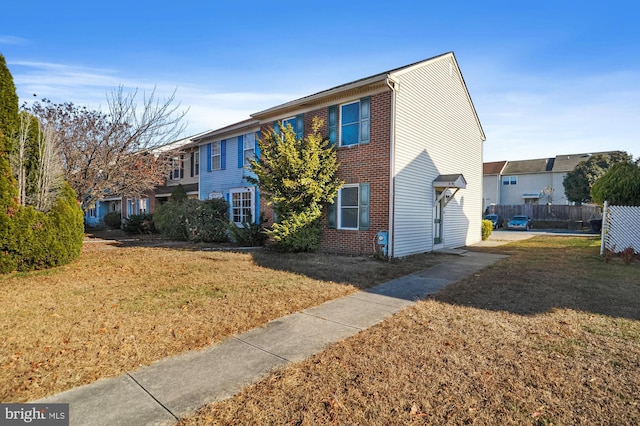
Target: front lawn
(548, 336)
(119, 307)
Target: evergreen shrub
(249, 234)
(113, 220)
(487, 228)
(139, 224)
(36, 240)
(193, 220)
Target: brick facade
(368, 163)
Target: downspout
(392, 170)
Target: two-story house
(409, 145)
(225, 155)
(535, 181)
(184, 160)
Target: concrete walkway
(176, 387)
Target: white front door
(438, 225)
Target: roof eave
(344, 90)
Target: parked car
(523, 223)
(495, 219)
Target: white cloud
(12, 40)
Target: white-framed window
(509, 180)
(291, 121)
(242, 205)
(248, 148)
(350, 211)
(354, 122)
(348, 207)
(216, 155)
(143, 205)
(177, 168)
(195, 163)
(93, 211)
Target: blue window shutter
(364, 206)
(300, 126)
(332, 215)
(256, 149)
(240, 152)
(208, 157)
(276, 128)
(223, 154)
(333, 124)
(365, 119)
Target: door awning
(536, 196)
(444, 182)
(450, 181)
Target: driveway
(502, 236)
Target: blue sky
(546, 77)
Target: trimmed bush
(207, 220)
(487, 228)
(113, 220)
(297, 234)
(194, 220)
(37, 240)
(139, 224)
(248, 235)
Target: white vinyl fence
(620, 228)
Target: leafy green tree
(298, 177)
(578, 182)
(620, 186)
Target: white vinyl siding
(436, 133)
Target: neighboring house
(409, 144)
(184, 159)
(225, 155)
(185, 171)
(491, 182)
(538, 181)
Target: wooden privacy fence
(620, 228)
(539, 212)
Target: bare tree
(49, 174)
(19, 157)
(111, 154)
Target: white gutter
(392, 170)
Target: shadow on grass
(359, 271)
(547, 273)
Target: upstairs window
(177, 168)
(248, 148)
(296, 123)
(195, 163)
(509, 180)
(354, 122)
(216, 155)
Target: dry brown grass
(550, 335)
(118, 308)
